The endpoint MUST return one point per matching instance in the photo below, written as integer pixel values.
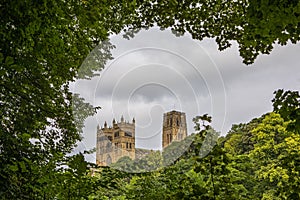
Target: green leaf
(9, 60)
(13, 168)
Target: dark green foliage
(176, 150)
(150, 162)
(43, 44)
(266, 23)
(239, 138)
(255, 25)
(287, 104)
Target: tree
(287, 104)
(176, 150)
(255, 25)
(237, 145)
(42, 47)
(276, 157)
(203, 177)
(204, 171)
(239, 141)
(44, 43)
(146, 186)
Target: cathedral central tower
(174, 127)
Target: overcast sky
(156, 72)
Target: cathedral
(118, 140)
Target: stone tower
(174, 127)
(115, 141)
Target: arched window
(117, 134)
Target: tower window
(117, 134)
(128, 134)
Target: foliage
(276, 156)
(256, 160)
(239, 139)
(149, 186)
(150, 162)
(43, 45)
(287, 104)
(175, 150)
(255, 25)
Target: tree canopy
(256, 160)
(43, 44)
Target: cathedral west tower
(114, 142)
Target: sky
(156, 72)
